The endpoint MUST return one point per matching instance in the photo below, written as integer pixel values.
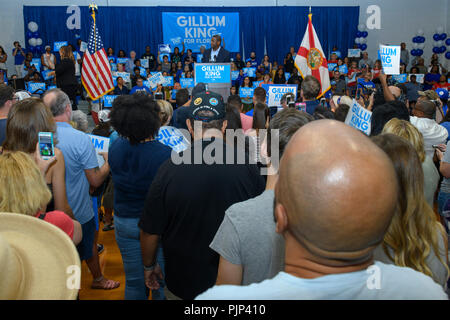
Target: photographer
(19, 57)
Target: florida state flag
(310, 59)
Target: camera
(158, 96)
(290, 102)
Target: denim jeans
(127, 237)
(442, 201)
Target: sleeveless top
(50, 58)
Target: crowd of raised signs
(345, 204)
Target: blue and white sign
(83, 46)
(199, 58)
(173, 138)
(337, 53)
(343, 69)
(168, 81)
(144, 63)
(245, 92)
(37, 63)
(354, 53)
(419, 77)
(187, 82)
(164, 48)
(276, 91)
(390, 59)
(114, 80)
(101, 144)
(58, 44)
(142, 72)
(113, 66)
(287, 75)
(155, 80)
(36, 87)
(400, 78)
(359, 118)
(234, 75)
(121, 60)
(212, 73)
(331, 66)
(146, 83)
(256, 84)
(112, 59)
(125, 76)
(51, 87)
(45, 74)
(108, 100)
(249, 72)
(196, 29)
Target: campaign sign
(51, 87)
(212, 73)
(173, 138)
(343, 69)
(121, 60)
(187, 82)
(113, 66)
(337, 53)
(36, 87)
(234, 75)
(146, 83)
(168, 81)
(249, 72)
(45, 74)
(125, 76)
(419, 77)
(112, 59)
(101, 144)
(390, 59)
(256, 84)
(142, 72)
(400, 78)
(199, 58)
(354, 53)
(58, 44)
(144, 63)
(83, 46)
(359, 118)
(287, 75)
(331, 66)
(108, 100)
(37, 63)
(245, 92)
(114, 80)
(155, 80)
(196, 29)
(276, 91)
(164, 48)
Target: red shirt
(61, 220)
(441, 85)
(376, 73)
(350, 74)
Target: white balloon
(362, 40)
(440, 30)
(440, 43)
(39, 41)
(357, 40)
(33, 26)
(362, 27)
(32, 42)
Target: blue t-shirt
(362, 84)
(79, 155)
(133, 168)
(137, 88)
(18, 58)
(2, 130)
(311, 106)
(253, 63)
(395, 283)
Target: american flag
(96, 71)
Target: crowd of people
(214, 198)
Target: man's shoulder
(252, 206)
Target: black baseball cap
(207, 101)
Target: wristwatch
(151, 267)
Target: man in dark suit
(216, 53)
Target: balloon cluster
(447, 55)
(361, 37)
(439, 37)
(33, 38)
(418, 44)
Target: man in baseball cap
(207, 106)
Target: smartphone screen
(46, 148)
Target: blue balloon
(447, 42)
(443, 36)
(363, 46)
(365, 34)
(443, 49)
(421, 39)
(358, 34)
(419, 52)
(447, 55)
(413, 52)
(436, 50)
(436, 37)
(416, 40)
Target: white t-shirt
(77, 65)
(395, 283)
(432, 132)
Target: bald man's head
(338, 191)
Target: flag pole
(94, 7)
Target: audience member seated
(415, 238)
(329, 240)
(140, 87)
(120, 89)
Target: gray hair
(311, 88)
(80, 118)
(59, 103)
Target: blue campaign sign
(142, 72)
(144, 63)
(196, 29)
(121, 60)
(147, 84)
(168, 81)
(37, 63)
(400, 78)
(234, 75)
(343, 69)
(125, 76)
(287, 75)
(199, 58)
(245, 92)
(331, 66)
(51, 87)
(212, 73)
(114, 80)
(359, 118)
(113, 66)
(164, 48)
(45, 74)
(187, 82)
(36, 87)
(112, 59)
(58, 44)
(173, 138)
(337, 53)
(108, 100)
(354, 53)
(249, 72)
(276, 91)
(256, 84)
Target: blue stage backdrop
(133, 28)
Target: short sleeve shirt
(79, 155)
(61, 220)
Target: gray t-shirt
(431, 179)
(247, 237)
(437, 268)
(445, 184)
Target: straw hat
(38, 261)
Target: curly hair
(135, 117)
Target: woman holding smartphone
(25, 120)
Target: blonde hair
(407, 131)
(23, 189)
(166, 111)
(414, 229)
